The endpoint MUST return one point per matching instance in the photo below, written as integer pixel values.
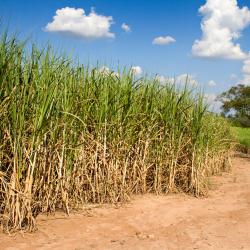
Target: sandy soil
(219, 221)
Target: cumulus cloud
(246, 72)
(163, 40)
(233, 76)
(161, 78)
(107, 71)
(180, 79)
(246, 66)
(164, 80)
(185, 78)
(211, 100)
(136, 70)
(212, 83)
(104, 70)
(222, 24)
(245, 80)
(125, 27)
(75, 22)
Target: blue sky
(210, 60)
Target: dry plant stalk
(71, 135)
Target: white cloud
(214, 105)
(180, 79)
(163, 79)
(210, 98)
(75, 22)
(233, 76)
(245, 80)
(125, 27)
(221, 25)
(186, 78)
(107, 71)
(246, 66)
(136, 70)
(104, 70)
(163, 40)
(212, 83)
(246, 72)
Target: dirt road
(220, 221)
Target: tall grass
(70, 136)
(243, 138)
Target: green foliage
(243, 135)
(237, 100)
(71, 135)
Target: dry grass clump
(70, 136)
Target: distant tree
(236, 104)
